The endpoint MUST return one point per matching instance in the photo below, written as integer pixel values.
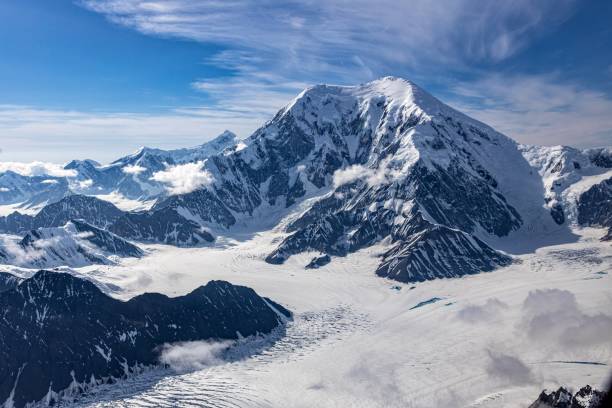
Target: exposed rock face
(8, 281)
(595, 206)
(59, 331)
(586, 397)
(407, 157)
(436, 251)
(318, 262)
(601, 157)
(31, 191)
(164, 226)
(561, 167)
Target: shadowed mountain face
(595, 207)
(61, 332)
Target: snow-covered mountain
(75, 244)
(31, 192)
(128, 177)
(96, 212)
(388, 162)
(131, 176)
(342, 168)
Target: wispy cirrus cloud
(538, 109)
(37, 168)
(319, 34)
(274, 49)
(59, 135)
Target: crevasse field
(488, 340)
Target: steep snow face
(75, 244)
(379, 132)
(567, 173)
(381, 147)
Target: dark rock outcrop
(318, 262)
(8, 281)
(165, 226)
(586, 397)
(595, 206)
(59, 331)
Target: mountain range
(343, 168)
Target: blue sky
(99, 78)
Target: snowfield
(488, 340)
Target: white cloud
(485, 313)
(321, 34)
(4, 190)
(85, 184)
(59, 135)
(553, 316)
(184, 178)
(133, 169)
(538, 109)
(509, 368)
(36, 168)
(19, 256)
(193, 355)
(50, 181)
(373, 177)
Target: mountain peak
(397, 95)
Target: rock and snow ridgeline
(379, 162)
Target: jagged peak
(57, 285)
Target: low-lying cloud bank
(487, 312)
(193, 355)
(37, 168)
(553, 316)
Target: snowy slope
(359, 340)
(75, 244)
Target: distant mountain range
(129, 176)
(383, 162)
